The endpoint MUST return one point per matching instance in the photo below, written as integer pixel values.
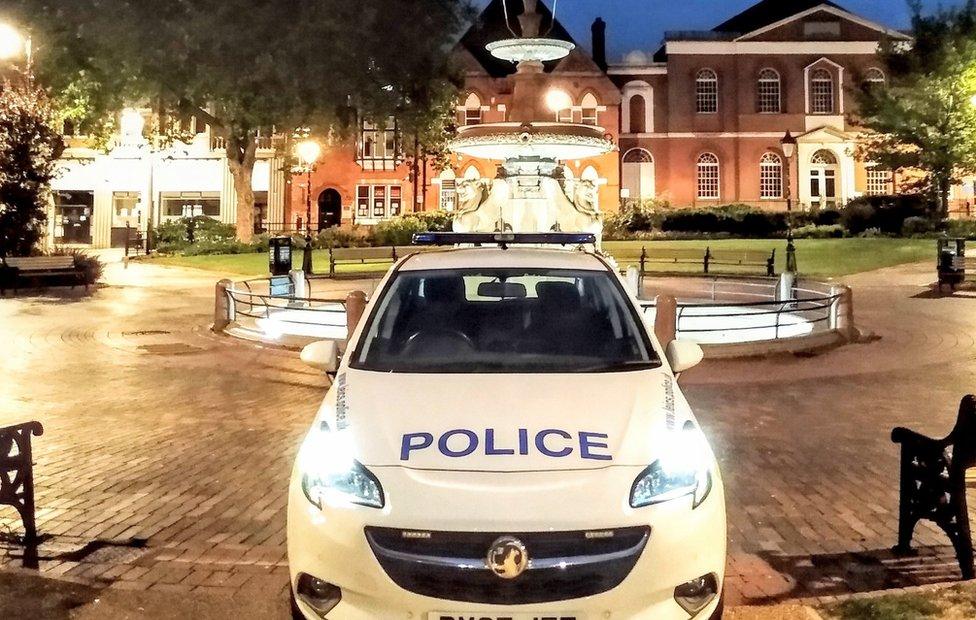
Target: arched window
(708, 177)
(874, 77)
(591, 114)
(472, 110)
(472, 173)
(706, 92)
(638, 114)
(768, 98)
(638, 174)
(821, 92)
(770, 176)
(823, 157)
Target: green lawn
(815, 257)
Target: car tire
(296, 613)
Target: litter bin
(279, 256)
(952, 261)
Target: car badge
(507, 557)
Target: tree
(29, 148)
(924, 119)
(248, 66)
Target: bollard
(784, 289)
(355, 307)
(301, 284)
(842, 312)
(665, 319)
(222, 306)
(634, 281)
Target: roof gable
(767, 12)
(854, 26)
(490, 26)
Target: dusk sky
(640, 24)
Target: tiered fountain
(530, 192)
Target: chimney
(600, 43)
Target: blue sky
(640, 24)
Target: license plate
(453, 615)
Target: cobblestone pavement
(166, 450)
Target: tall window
(821, 92)
(378, 201)
(591, 115)
(880, 181)
(637, 174)
(768, 92)
(706, 92)
(770, 176)
(378, 145)
(708, 177)
(472, 110)
(638, 114)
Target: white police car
(505, 440)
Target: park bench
(933, 483)
(710, 261)
(381, 258)
(953, 266)
(17, 473)
(37, 267)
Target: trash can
(279, 256)
(952, 261)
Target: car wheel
(296, 613)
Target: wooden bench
(708, 259)
(380, 257)
(35, 267)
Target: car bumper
(684, 543)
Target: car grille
(562, 565)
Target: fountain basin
(557, 141)
(538, 50)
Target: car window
(503, 321)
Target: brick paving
(167, 450)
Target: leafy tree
(29, 148)
(924, 119)
(248, 66)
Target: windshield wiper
(625, 365)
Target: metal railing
(756, 304)
(256, 300)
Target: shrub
(400, 230)
(232, 246)
(90, 267)
(174, 235)
(358, 236)
(826, 217)
(886, 213)
(857, 216)
(915, 225)
(813, 231)
(871, 233)
(961, 229)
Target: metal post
(355, 307)
(790, 246)
(842, 312)
(307, 256)
(223, 306)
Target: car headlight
(682, 469)
(331, 474)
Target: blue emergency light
(504, 238)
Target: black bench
(933, 483)
(37, 267)
(17, 473)
(710, 261)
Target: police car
(505, 439)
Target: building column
(276, 191)
(228, 196)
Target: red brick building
(700, 122)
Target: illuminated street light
(789, 149)
(308, 152)
(12, 43)
(558, 100)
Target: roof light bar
(503, 239)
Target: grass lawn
(815, 257)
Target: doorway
(823, 180)
(330, 209)
(72, 217)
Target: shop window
(377, 202)
(190, 204)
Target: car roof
(496, 257)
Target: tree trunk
(241, 155)
(944, 187)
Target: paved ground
(167, 449)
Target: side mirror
(684, 355)
(322, 355)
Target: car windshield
(504, 321)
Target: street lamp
(308, 152)
(789, 149)
(13, 45)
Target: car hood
(505, 423)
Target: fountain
(530, 192)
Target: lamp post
(13, 45)
(789, 149)
(308, 152)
